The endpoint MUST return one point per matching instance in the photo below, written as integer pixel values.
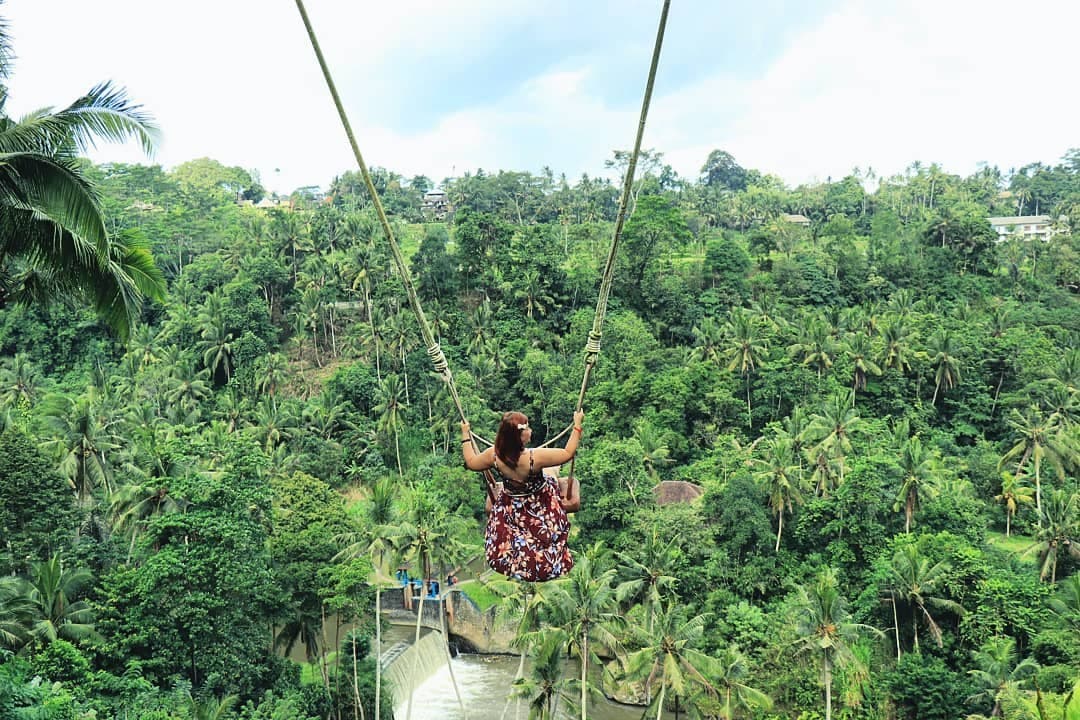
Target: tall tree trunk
(779, 529)
(584, 670)
(446, 645)
(416, 661)
(826, 671)
(378, 650)
(749, 413)
(896, 623)
(358, 709)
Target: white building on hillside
(1025, 227)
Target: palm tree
(584, 604)
(426, 532)
(1066, 604)
(20, 381)
(272, 425)
(400, 340)
(824, 629)
(999, 670)
(781, 478)
(273, 371)
(858, 348)
(654, 451)
(897, 353)
(522, 604)
(534, 294)
(669, 660)
(912, 580)
(744, 350)
(210, 708)
(51, 593)
(82, 443)
(834, 426)
(946, 365)
(708, 341)
(216, 349)
(15, 613)
(645, 577)
(53, 237)
(390, 408)
(132, 506)
(730, 682)
(815, 345)
(1014, 493)
(1058, 532)
(374, 540)
(545, 685)
(920, 467)
(1040, 438)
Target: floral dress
(527, 530)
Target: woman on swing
(527, 525)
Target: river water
(484, 682)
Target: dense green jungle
(875, 392)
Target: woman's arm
(474, 460)
(546, 457)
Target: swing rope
(434, 351)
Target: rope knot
(592, 345)
(438, 359)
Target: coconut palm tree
(896, 352)
(544, 686)
(708, 341)
(131, 508)
(1066, 604)
(584, 604)
(744, 350)
(53, 238)
(646, 577)
(998, 669)
(815, 345)
(944, 361)
(669, 661)
(1058, 533)
(654, 452)
(374, 540)
(824, 629)
(20, 381)
(1014, 492)
(913, 581)
(83, 441)
(735, 695)
(55, 613)
(920, 467)
(217, 351)
(781, 477)
(1039, 438)
(834, 426)
(858, 347)
(390, 408)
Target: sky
(802, 89)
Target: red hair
(508, 445)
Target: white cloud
(868, 84)
(944, 82)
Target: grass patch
(1014, 544)
(480, 595)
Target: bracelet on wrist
(465, 440)
(578, 428)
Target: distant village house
(1024, 227)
